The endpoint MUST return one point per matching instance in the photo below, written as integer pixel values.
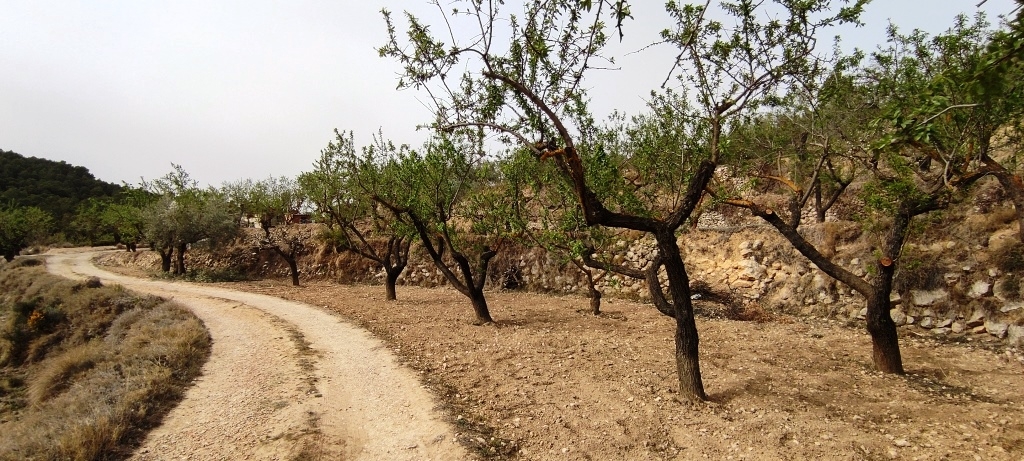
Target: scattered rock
(941, 331)
(927, 322)
(999, 290)
(862, 314)
(957, 327)
(944, 323)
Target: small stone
(910, 320)
(940, 331)
(944, 323)
(901, 443)
(898, 317)
(978, 330)
(979, 289)
(1015, 335)
(976, 319)
(927, 322)
(957, 327)
(862, 314)
(1009, 307)
(927, 298)
(997, 329)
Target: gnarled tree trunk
(390, 280)
(179, 262)
(165, 258)
(691, 385)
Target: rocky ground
(550, 381)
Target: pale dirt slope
(285, 378)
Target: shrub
(1011, 287)
(918, 274)
(92, 367)
(1011, 259)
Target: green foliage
(270, 200)
(341, 188)
(21, 227)
(184, 214)
(54, 187)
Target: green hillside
(55, 187)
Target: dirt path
(285, 380)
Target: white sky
(252, 88)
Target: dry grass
(94, 370)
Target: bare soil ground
(551, 381)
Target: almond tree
(551, 219)
(339, 186)
(522, 76)
(918, 141)
(272, 201)
(445, 192)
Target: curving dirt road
(285, 380)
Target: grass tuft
(88, 367)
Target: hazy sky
(248, 89)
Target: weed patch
(86, 368)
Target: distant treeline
(54, 187)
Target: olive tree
(522, 74)
(185, 214)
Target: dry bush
(55, 375)
(1011, 259)
(919, 272)
(749, 312)
(112, 367)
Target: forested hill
(55, 187)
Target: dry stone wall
(746, 264)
